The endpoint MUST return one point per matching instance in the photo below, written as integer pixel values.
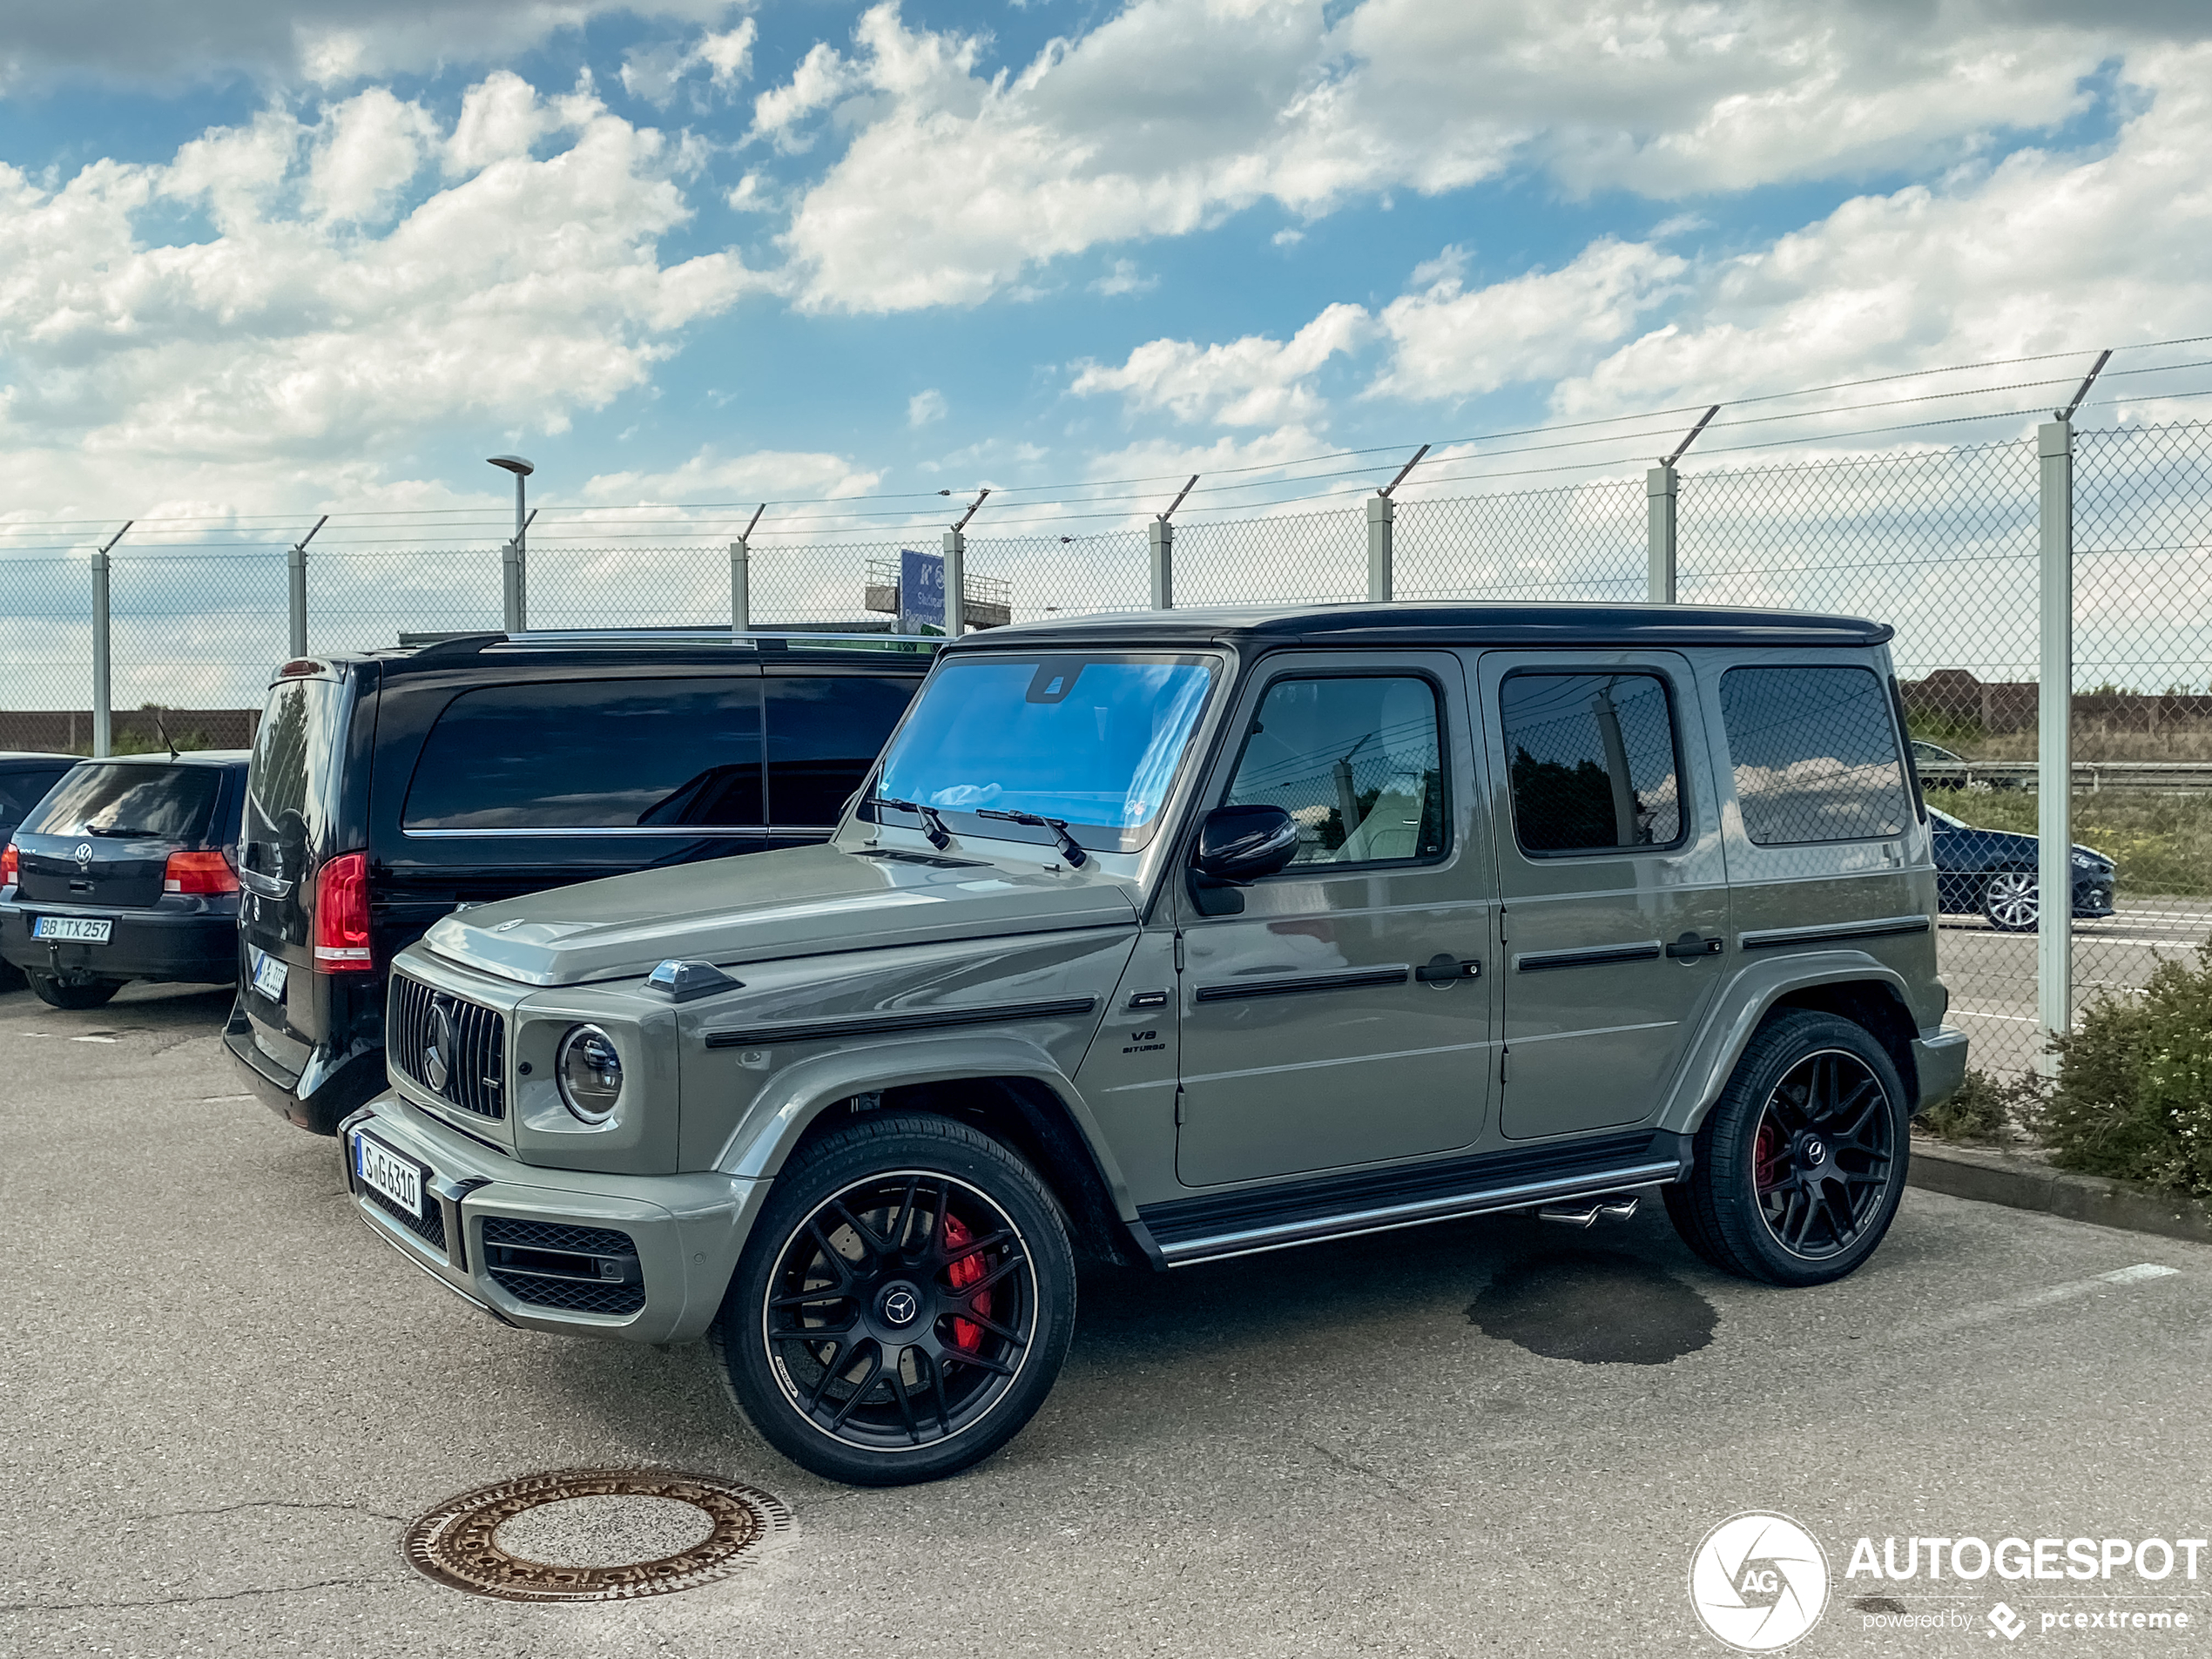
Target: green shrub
(1987, 1109)
(2134, 1097)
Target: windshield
(1092, 739)
(134, 801)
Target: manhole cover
(593, 1534)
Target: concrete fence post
(295, 562)
(1161, 535)
(514, 600)
(2054, 738)
(1382, 515)
(102, 719)
(740, 586)
(1661, 488)
(955, 583)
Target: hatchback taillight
(10, 868)
(342, 914)
(198, 873)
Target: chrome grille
(476, 1067)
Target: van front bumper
(645, 1258)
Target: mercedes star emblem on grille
(437, 1047)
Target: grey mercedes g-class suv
(1177, 936)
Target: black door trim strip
(1536, 961)
(874, 1025)
(1879, 927)
(1396, 973)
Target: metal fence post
(955, 583)
(1661, 489)
(2054, 740)
(103, 733)
(1161, 535)
(296, 569)
(513, 608)
(740, 586)
(1382, 514)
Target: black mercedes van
(390, 788)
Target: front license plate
(269, 973)
(75, 930)
(384, 1170)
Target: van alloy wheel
(902, 1312)
(2009, 899)
(1821, 1158)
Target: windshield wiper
(1075, 856)
(933, 826)
(121, 834)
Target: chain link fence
(1943, 543)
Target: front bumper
(196, 946)
(2093, 896)
(1940, 1061)
(643, 1257)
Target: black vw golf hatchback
(392, 788)
(126, 870)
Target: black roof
(1418, 623)
(811, 643)
(163, 757)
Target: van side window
(1356, 761)
(593, 754)
(824, 733)
(1815, 755)
(1592, 761)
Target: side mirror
(1238, 845)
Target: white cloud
(925, 407)
(288, 341)
(1253, 382)
(1124, 277)
(1175, 113)
(655, 73)
(709, 475)
(1448, 343)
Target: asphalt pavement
(224, 1400)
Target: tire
(1800, 1163)
(2011, 902)
(945, 1316)
(11, 977)
(71, 993)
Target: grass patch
(2162, 843)
(1989, 1111)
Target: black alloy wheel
(1800, 1163)
(903, 1305)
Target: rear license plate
(75, 930)
(269, 973)
(384, 1170)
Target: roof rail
(459, 645)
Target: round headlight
(590, 1073)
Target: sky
(258, 260)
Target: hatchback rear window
(1815, 753)
(593, 754)
(134, 802)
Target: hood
(759, 906)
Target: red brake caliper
(963, 1273)
(1766, 1152)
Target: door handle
(1442, 969)
(1691, 946)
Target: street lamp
(512, 569)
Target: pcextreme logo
(1758, 1582)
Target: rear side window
(294, 775)
(593, 754)
(149, 802)
(1815, 755)
(1356, 762)
(1592, 761)
(824, 733)
(22, 789)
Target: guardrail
(2171, 776)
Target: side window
(593, 754)
(1815, 755)
(1591, 758)
(824, 733)
(1356, 761)
(21, 790)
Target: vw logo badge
(83, 855)
(899, 1306)
(437, 1048)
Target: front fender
(1736, 1014)
(802, 1091)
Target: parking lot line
(1983, 1313)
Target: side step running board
(1580, 1212)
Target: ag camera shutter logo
(1758, 1582)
